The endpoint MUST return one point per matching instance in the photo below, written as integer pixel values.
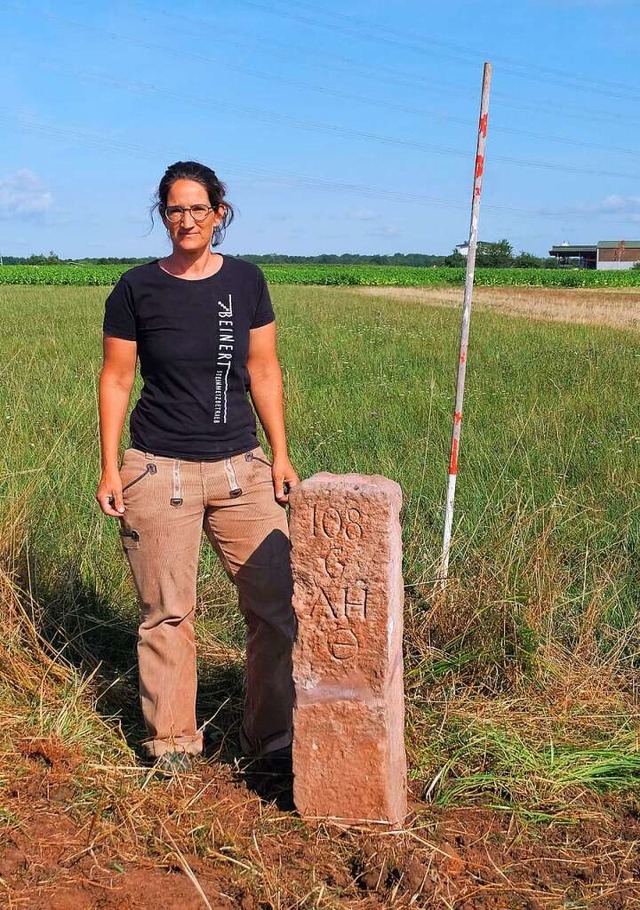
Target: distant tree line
(414, 259)
(35, 259)
(494, 255)
(52, 258)
(500, 255)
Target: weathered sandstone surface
(348, 750)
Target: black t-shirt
(192, 340)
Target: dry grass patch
(619, 308)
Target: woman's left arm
(266, 394)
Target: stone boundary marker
(348, 750)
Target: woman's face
(187, 234)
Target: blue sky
(337, 126)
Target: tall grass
(522, 679)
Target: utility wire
(105, 142)
(376, 103)
(391, 74)
(148, 89)
(385, 35)
(333, 129)
(571, 76)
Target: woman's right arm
(116, 380)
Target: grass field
(522, 679)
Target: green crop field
(521, 679)
(347, 275)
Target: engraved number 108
(329, 522)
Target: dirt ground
(257, 856)
(618, 308)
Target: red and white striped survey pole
(466, 319)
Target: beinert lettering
(223, 363)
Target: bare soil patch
(248, 853)
(618, 308)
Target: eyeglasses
(174, 213)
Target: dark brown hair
(193, 170)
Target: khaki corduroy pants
(168, 503)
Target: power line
(99, 140)
(399, 77)
(333, 129)
(389, 36)
(301, 180)
(377, 103)
(105, 142)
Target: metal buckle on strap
(234, 488)
(176, 499)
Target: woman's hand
(284, 478)
(109, 494)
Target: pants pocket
(135, 472)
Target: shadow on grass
(81, 625)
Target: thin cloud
(620, 205)
(23, 194)
(626, 206)
(386, 230)
(359, 214)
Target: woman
(203, 328)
